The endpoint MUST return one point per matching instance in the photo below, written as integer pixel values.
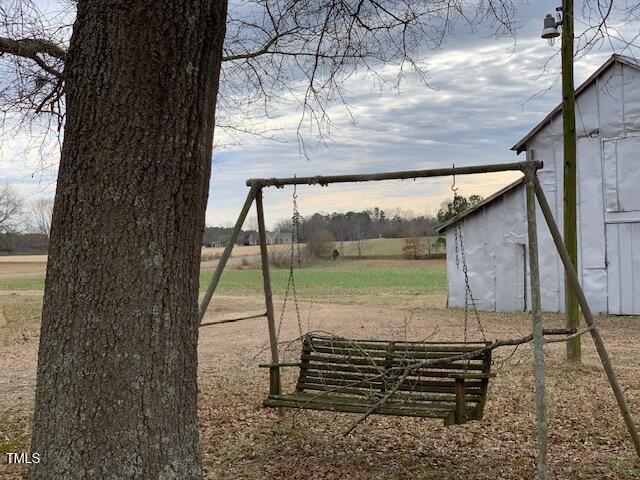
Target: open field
(372, 299)
(33, 266)
(407, 277)
(339, 279)
(383, 246)
(213, 253)
(373, 246)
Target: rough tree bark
(117, 393)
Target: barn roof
(631, 62)
(487, 201)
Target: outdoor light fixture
(550, 31)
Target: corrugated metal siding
(608, 127)
(493, 240)
(607, 109)
(510, 284)
(631, 96)
(590, 211)
(622, 161)
(592, 242)
(624, 268)
(610, 102)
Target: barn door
(622, 218)
(624, 268)
(510, 278)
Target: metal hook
(454, 189)
(295, 188)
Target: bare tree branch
(11, 204)
(295, 53)
(31, 47)
(40, 214)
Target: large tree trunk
(117, 392)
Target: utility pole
(572, 309)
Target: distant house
(279, 237)
(221, 241)
(608, 173)
(251, 238)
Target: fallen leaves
(242, 440)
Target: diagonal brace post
(226, 254)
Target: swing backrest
(370, 368)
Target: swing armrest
(278, 365)
(473, 376)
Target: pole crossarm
(400, 175)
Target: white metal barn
(494, 232)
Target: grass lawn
(348, 278)
(22, 283)
(343, 278)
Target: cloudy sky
(477, 105)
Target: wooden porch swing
(447, 380)
(355, 376)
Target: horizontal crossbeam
(407, 174)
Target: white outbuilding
(494, 234)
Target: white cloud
(477, 105)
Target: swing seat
(343, 375)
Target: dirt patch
(247, 261)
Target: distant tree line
(366, 224)
(459, 204)
(25, 225)
(353, 226)
(342, 227)
(18, 216)
(23, 243)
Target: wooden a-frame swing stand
(533, 191)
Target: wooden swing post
(542, 422)
(274, 370)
